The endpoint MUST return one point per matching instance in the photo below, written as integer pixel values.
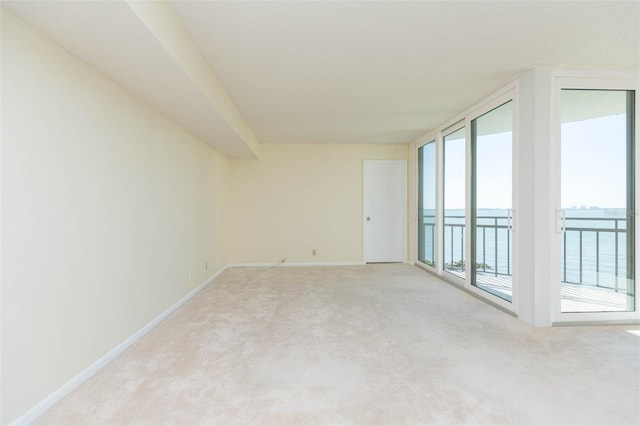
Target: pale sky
(593, 162)
(593, 167)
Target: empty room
(319, 212)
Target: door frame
(510, 95)
(447, 131)
(590, 82)
(405, 208)
(433, 138)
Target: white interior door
(385, 210)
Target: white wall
(297, 198)
(107, 209)
(534, 250)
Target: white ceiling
(343, 72)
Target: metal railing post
(451, 247)
(495, 247)
(564, 255)
(433, 244)
(484, 249)
(615, 274)
(508, 252)
(580, 256)
(462, 247)
(598, 258)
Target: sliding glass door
(491, 205)
(453, 238)
(596, 219)
(465, 207)
(427, 204)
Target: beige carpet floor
(362, 345)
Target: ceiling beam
(170, 32)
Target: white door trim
(403, 165)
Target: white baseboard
(286, 264)
(48, 402)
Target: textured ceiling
(347, 72)
(389, 71)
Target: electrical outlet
(206, 266)
(189, 276)
(313, 252)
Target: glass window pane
(597, 172)
(491, 141)
(454, 202)
(427, 203)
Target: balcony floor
(574, 297)
(588, 298)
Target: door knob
(368, 219)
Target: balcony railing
(593, 249)
(606, 237)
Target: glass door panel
(427, 204)
(597, 200)
(491, 218)
(454, 203)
